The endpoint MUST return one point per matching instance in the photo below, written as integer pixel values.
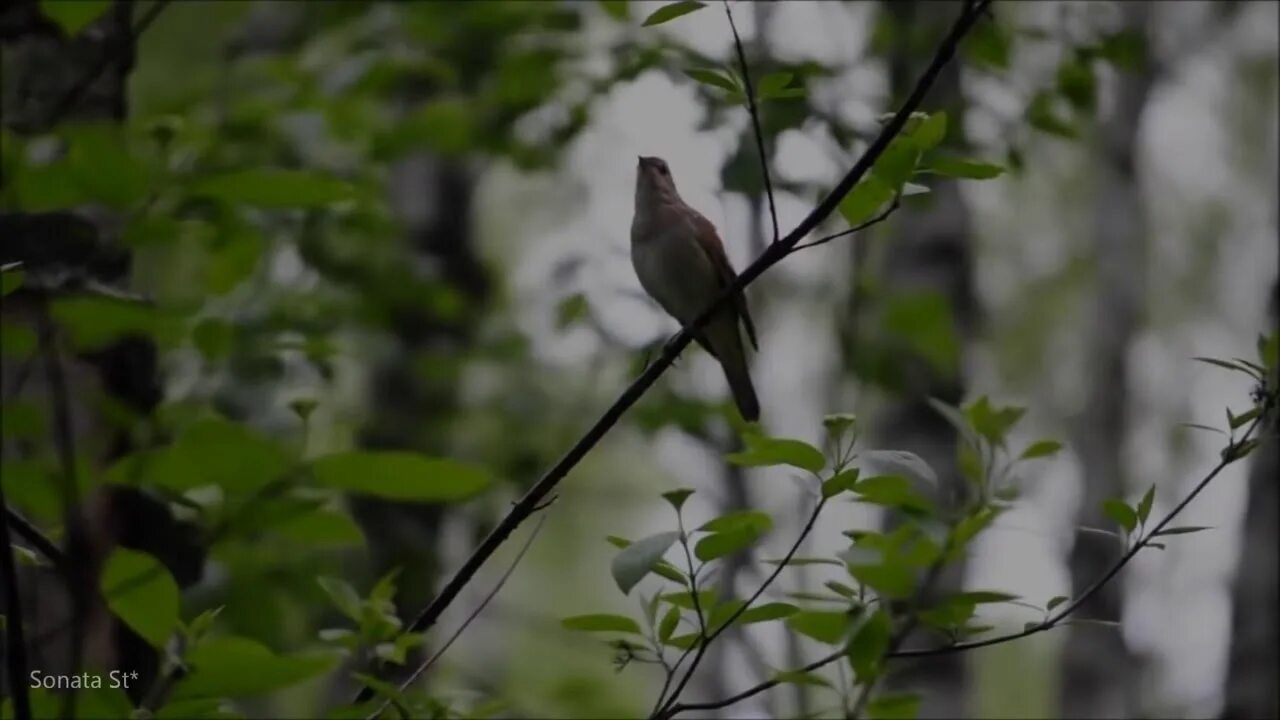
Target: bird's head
(653, 180)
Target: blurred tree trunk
(928, 254)
(49, 79)
(1253, 666)
(736, 493)
(1100, 677)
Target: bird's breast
(673, 270)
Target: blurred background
(350, 226)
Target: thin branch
(528, 543)
(27, 530)
(68, 101)
(1059, 619)
(755, 119)
(16, 647)
(1071, 607)
(884, 215)
(670, 702)
(525, 507)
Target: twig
(772, 255)
(1049, 624)
(69, 99)
(27, 530)
(16, 647)
(670, 701)
(755, 119)
(528, 543)
(1106, 577)
(884, 215)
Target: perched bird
(681, 263)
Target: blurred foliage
(250, 184)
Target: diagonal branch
(16, 645)
(527, 504)
(528, 543)
(755, 118)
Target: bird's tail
(733, 358)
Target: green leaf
(213, 338)
(837, 424)
(774, 86)
(892, 491)
(73, 15)
(825, 626)
(102, 166)
(571, 310)
(898, 162)
(240, 667)
(405, 476)
(1041, 448)
(1121, 513)
(1183, 530)
(274, 188)
(840, 482)
(868, 646)
(94, 321)
(601, 622)
(714, 78)
(631, 565)
(865, 199)
(677, 497)
(684, 600)
(1144, 505)
(1269, 350)
(767, 612)
(1126, 49)
(1043, 116)
(11, 279)
(801, 677)
(142, 593)
(766, 451)
(667, 13)
(988, 44)
(668, 625)
(891, 579)
(720, 544)
(343, 596)
(321, 527)
(898, 706)
(749, 520)
(978, 597)
(993, 422)
(684, 642)
(1238, 421)
(1077, 84)
(930, 132)
(616, 9)
(901, 462)
(1224, 364)
(960, 168)
(1054, 602)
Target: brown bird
(681, 263)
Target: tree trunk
(48, 79)
(1253, 665)
(1099, 670)
(929, 254)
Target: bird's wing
(709, 241)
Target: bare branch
(755, 119)
(28, 531)
(16, 647)
(528, 543)
(884, 215)
(772, 255)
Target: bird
(681, 263)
